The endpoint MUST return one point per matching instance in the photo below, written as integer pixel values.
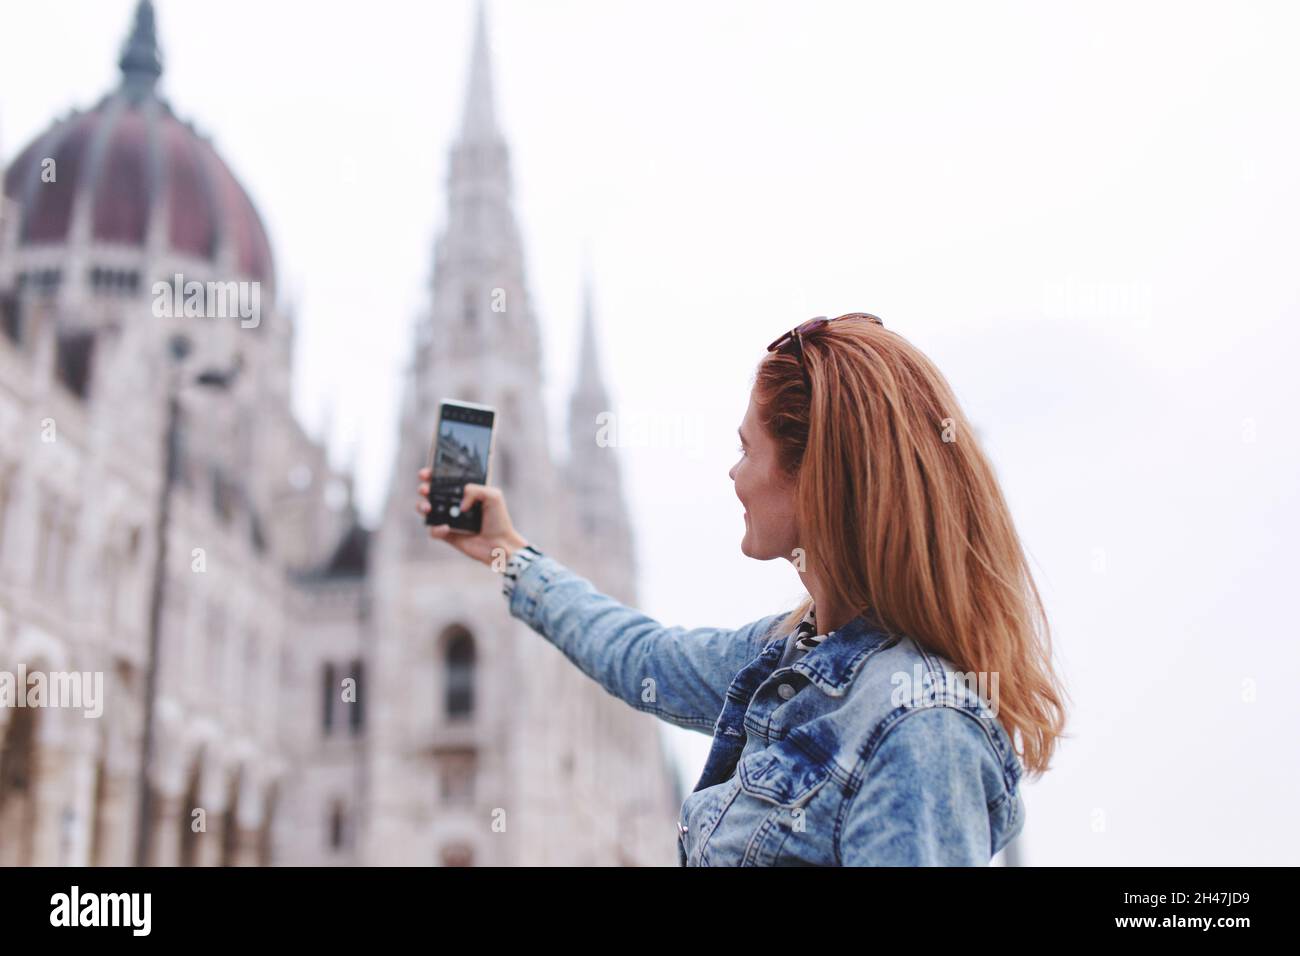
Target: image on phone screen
(461, 453)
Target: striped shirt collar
(833, 666)
(805, 632)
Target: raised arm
(678, 675)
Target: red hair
(899, 511)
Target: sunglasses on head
(792, 341)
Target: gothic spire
(479, 121)
(593, 471)
(589, 383)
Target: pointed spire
(479, 120)
(589, 380)
(353, 461)
(141, 61)
(327, 424)
(592, 469)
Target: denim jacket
(834, 760)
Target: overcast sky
(1086, 213)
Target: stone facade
(326, 693)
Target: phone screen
(462, 449)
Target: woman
(887, 719)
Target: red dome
(136, 166)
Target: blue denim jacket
(833, 760)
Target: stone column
(210, 840)
(49, 791)
(77, 819)
(118, 815)
(246, 846)
(167, 830)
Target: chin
(749, 545)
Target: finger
(422, 507)
(475, 493)
(440, 531)
(424, 490)
(426, 473)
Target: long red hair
(899, 511)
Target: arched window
(189, 838)
(357, 713)
(230, 823)
(328, 683)
(338, 825)
(73, 359)
(18, 805)
(458, 661)
(11, 317)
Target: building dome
(130, 173)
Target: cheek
(755, 490)
(741, 478)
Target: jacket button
(786, 691)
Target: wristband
(518, 562)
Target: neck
(831, 614)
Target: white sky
(1085, 213)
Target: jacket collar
(833, 663)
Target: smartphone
(461, 454)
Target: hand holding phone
(458, 504)
(461, 454)
(498, 538)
